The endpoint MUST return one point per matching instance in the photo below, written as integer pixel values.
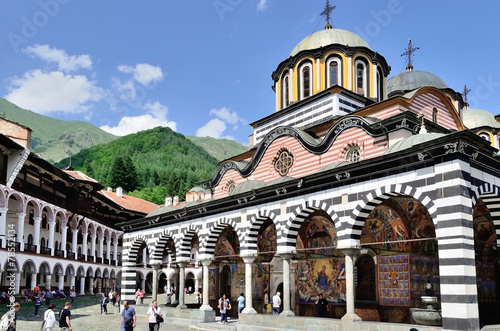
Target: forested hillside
(149, 164)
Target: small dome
(247, 186)
(280, 180)
(475, 118)
(160, 211)
(413, 79)
(329, 37)
(333, 165)
(412, 141)
(197, 189)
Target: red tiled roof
(131, 203)
(80, 175)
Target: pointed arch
(292, 226)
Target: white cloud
(226, 115)
(214, 128)
(262, 5)
(126, 90)
(53, 92)
(64, 61)
(157, 116)
(143, 73)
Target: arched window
(380, 85)
(434, 115)
(305, 80)
(361, 78)
(353, 154)
(30, 239)
(334, 70)
(44, 221)
(42, 242)
(285, 91)
(31, 217)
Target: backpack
(5, 323)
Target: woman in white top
(50, 318)
(151, 316)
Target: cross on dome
(408, 53)
(327, 11)
(465, 93)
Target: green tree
(123, 173)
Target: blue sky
(203, 67)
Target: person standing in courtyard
(128, 317)
(276, 303)
(151, 316)
(321, 306)
(49, 318)
(72, 294)
(38, 302)
(224, 306)
(65, 318)
(241, 303)
(104, 304)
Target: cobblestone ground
(87, 317)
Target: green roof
(328, 37)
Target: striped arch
(161, 243)
(490, 194)
(214, 233)
(185, 244)
(31, 265)
(292, 226)
(133, 250)
(20, 199)
(250, 244)
(375, 198)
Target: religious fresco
(170, 247)
(237, 279)
(393, 224)
(260, 280)
(326, 276)
(394, 280)
(266, 242)
(424, 269)
(195, 243)
(317, 238)
(212, 282)
(227, 244)
(485, 239)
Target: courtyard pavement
(88, 318)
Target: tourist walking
(141, 295)
(276, 303)
(241, 303)
(152, 316)
(38, 302)
(72, 294)
(65, 318)
(128, 317)
(11, 317)
(49, 318)
(104, 303)
(224, 306)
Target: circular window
(353, 154)
(283, 162)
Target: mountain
(149, 164)
(55, 139)
(221, 149)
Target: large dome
(413, 79)
(327, 37)
(475, 118)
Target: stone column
(99, 285)
(48, 281)
(248, 285)
(108, 250)
(74, 246)
(20, 230)
(72, 281)
(349, 284)
(182, 281)
(92, 246)
(36, 235)
(85, 236)
(50, 244)
(196, 285)
(101, 248)
(33, 280)
(82, 285)
(91, 284)
(17, 281)
(155, 267)
(64, 233)
(115, 252)
(60, 283)
(3, 225)
(286, 257)
(206, 284)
